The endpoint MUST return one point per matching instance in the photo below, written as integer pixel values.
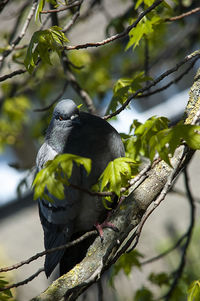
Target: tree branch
(57, 10)
(153, 83)
(72, 80)
(12, 74)
(21, 35)
(41, 254)
(178, 273)
(174, 81)
(193, 11)
(54, 100)
(119, 35)
(73, 19)
(3, 4)
(163, 254)
(27, 280)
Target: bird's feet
(105, 224)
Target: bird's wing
(57, 217)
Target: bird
(80, 133)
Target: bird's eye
(60, 118)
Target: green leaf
(39, 8)
(143, 294)
(5, 295)
(42, 42)
(14, 115)
(55, 175)
(125, 263)
(138, 3)
(142, 143)
(194, 291)
(144, 28)
(154, 136)
(125, 87)
(117, 173)
(159, 279)
(146, 2)
(191, 134)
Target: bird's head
(65, 118)
(65, 113)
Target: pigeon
(83, 134)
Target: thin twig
(93, 193)
(57, 10)
(18, 20)
(72, 80)
(138, 179)
(163, 254)
(100, 290)
(153, 83)
(178, 273)
(193, 11)
(119, 35)
(36, 256)
(53, 101)
(146, 57)
(3, 4)
(73, 19)
(22, 34)
(22, 282)
(12, 74)
(181, 193)
(174, 81)
(159, 199)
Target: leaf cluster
(125, 263)
(143, 294)
(194, 291)
(161, 280)
(41, 45)
(145, 28)
(56, 174)
(125, 87)
(5, 295)
(155, 136)
(14, 116)
(100, 64)
(117, 174)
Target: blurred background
(22, 126)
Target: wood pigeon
(86, 135)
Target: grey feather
(83, 134)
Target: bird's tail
(75, 254)
(53, 258)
